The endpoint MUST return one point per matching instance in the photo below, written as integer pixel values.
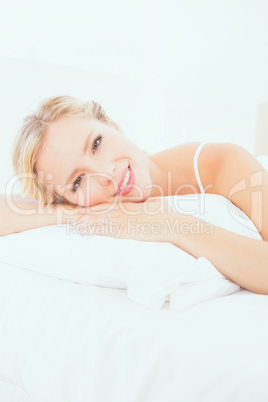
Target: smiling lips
(127, 182)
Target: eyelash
(79, 179)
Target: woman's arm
(239, 258)
(18, 214)
(239, 177)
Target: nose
(107, 173)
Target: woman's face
(89, 162)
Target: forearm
(18, 214)
(239, 258)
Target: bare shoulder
(211, 161)
(244, 181)
(226, 169)
(237, 169)
(179, 162)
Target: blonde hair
(32, 136)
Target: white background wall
(202, 64)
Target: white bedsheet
(77, 343)
(12, 393)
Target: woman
(79, 163)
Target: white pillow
(12, 393)
(55, 250)
(60, 252)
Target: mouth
(127, 182)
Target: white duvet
(64, 342)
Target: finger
(154, 199)
(102, 207)
(84, 219)
(86, 210)
(84, 228)
(79, 219)
(83, 211)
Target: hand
(61, 214)
(140, 221)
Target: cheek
(90, 194)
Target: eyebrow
(75, 172)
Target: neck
(159, 178)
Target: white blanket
(66, 342)
(12, 393)
(63, 341)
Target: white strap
(197, 152)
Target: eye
(77, 183)
(96, 143)
(95, 146)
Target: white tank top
(197, 152)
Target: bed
(64, 339)
(69, 342)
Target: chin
(142, 198)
